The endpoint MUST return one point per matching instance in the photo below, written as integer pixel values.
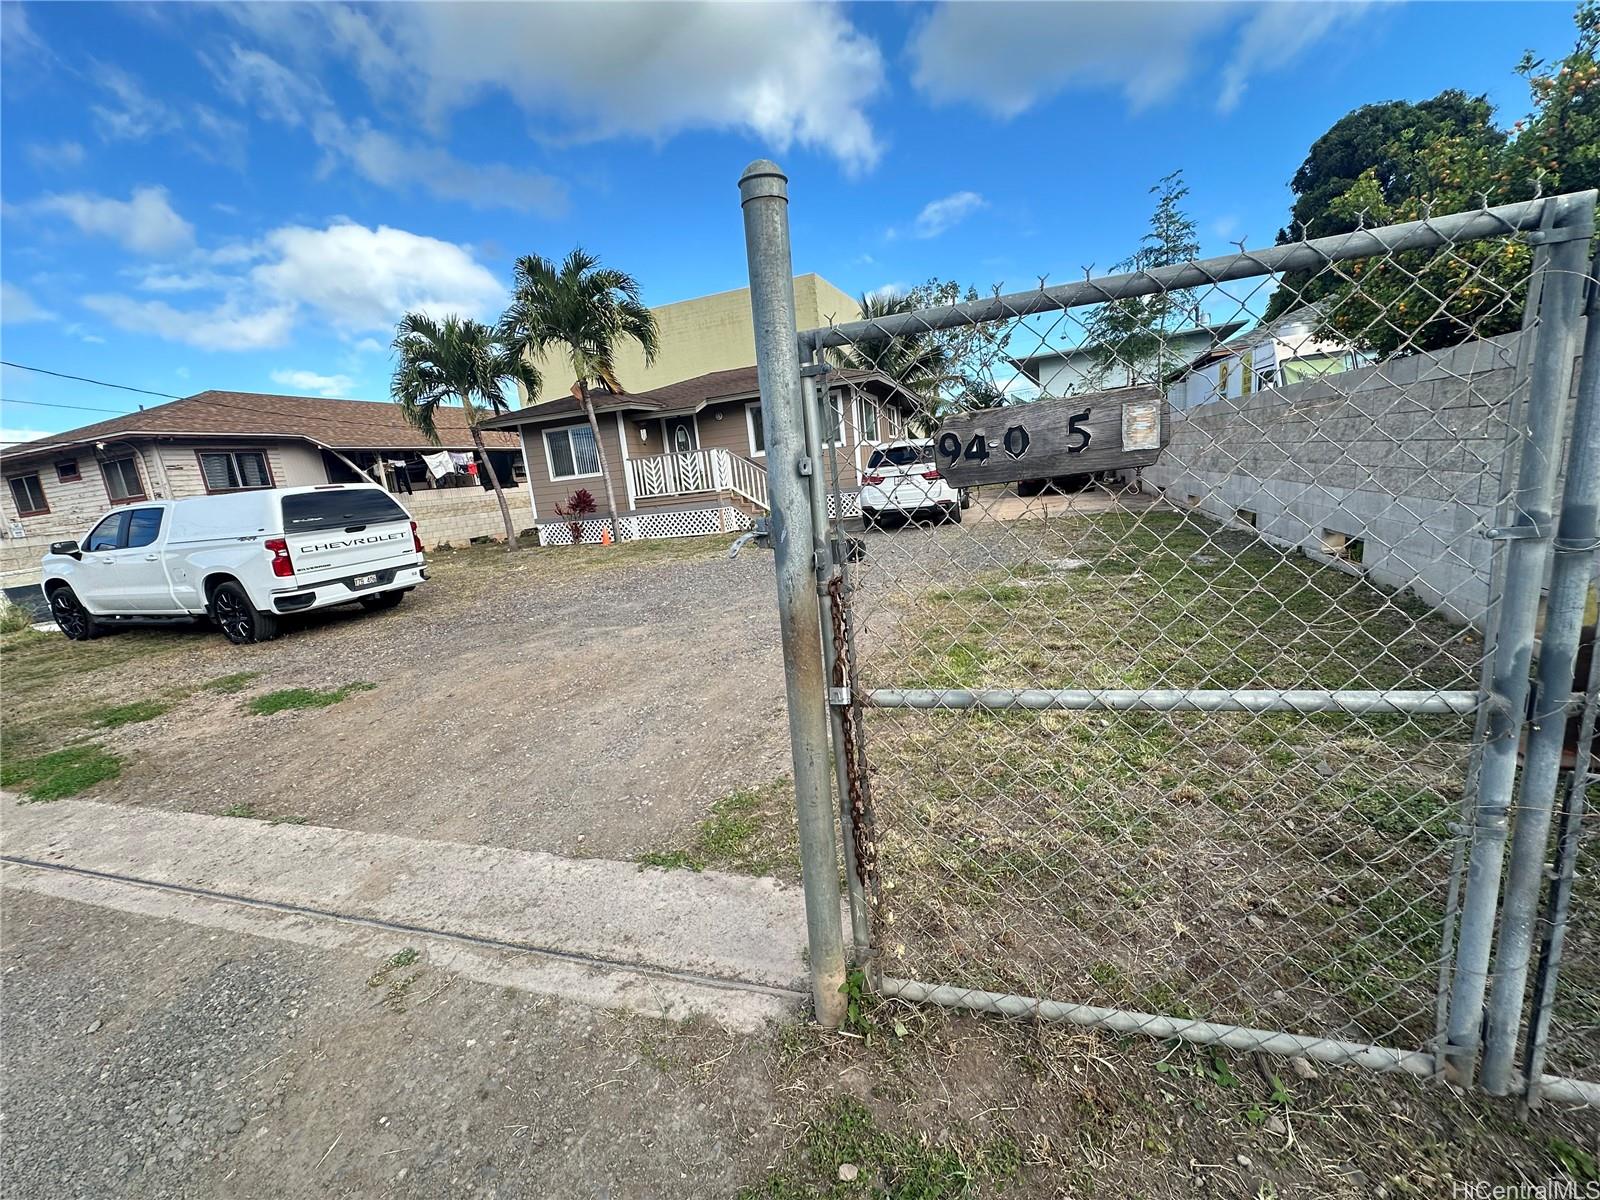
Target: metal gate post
(815, 391)
(1575, 538)
(764, 196)
(1527, 554)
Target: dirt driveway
(551, 700)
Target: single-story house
(1073, 370)
(1295, 347)
(689, 457)
(56, 486)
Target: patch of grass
(293, 698)
(396, 987)
(13, 617)
(750, 832)
(229, 685)
(846, 1152)
(116, 715)
(61, 773)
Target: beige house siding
(708, 333)
(292, 464)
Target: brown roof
(338, 424)
(670, 397)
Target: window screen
(122, 479)
(572, 452)
(758, 434)
(28, 494)
(234, 470)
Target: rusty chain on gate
(864, 853)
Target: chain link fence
(1180, 654)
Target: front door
(682, 440)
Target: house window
(122, 480)
(27, 493)
(869, 420)
(571, 452)
(834, 417)
(67, 470)
(234, 470)
(758, 432)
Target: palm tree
(589, 311)
(918, 362)
(457, 361)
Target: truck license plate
(366, 580)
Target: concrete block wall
(454, 516)
(1408, 456)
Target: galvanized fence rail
(1203, 661)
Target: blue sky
(248, 196)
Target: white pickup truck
(241, 559)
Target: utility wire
(121, 412)
(85, 379)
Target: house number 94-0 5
(1015, 443)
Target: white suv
(901, 479)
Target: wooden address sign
(1061, 435)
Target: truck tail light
(416, 538)
(931, 475)
(282, 565)
(872, 480)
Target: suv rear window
(900, 456)
(309, 511)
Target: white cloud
(939, 215)
(228, 326)
(350, 278)
(889, 291)
(1007, 56)
(362, 279)
(310, 381)
(794, 73)
(284, 96)
(145, 223)
(58, 156)
(131, 114)
(19, 308)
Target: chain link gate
(1227, 730)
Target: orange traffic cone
(605, 537)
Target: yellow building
(706, 334)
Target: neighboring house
(55, 487)
(688, 458)
(1072, 370)
(1290, 350)
(706, 334)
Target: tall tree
(1386, 149)
(1132, 335)
(457, 361)
(588, 311)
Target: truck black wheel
(383, 600)
(240, 621)
(71, 617)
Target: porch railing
(698, 471)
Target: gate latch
(1513, 533)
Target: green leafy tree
(457, 361)
(948, 370)
(587, 311)
(1381, 144)
(1132, 335)
(1445, 159)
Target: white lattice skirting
(852, 504)
(693, 522)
